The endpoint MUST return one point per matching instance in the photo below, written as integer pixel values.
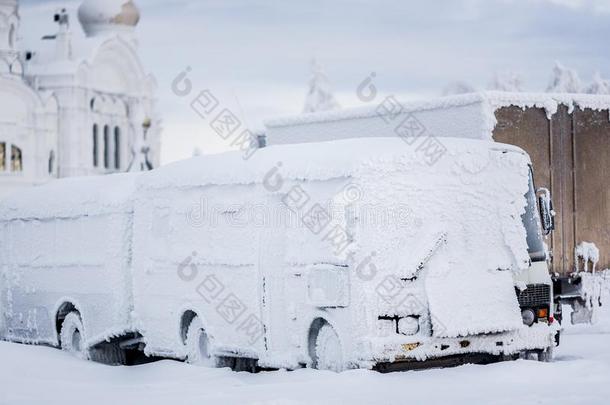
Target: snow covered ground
(580, 374)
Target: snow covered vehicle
(355, 253)
(65, 266)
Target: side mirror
(545, 205)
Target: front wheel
(72, 336)
(328, 351)
(546, 356)
(198, 345)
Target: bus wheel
(72, 336)
(546, 355)
(328, 352)
(198, 345)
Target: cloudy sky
(255, 54)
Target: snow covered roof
(369, 112)
(495, 99)
(548, 101)
(462, 116)
(312, 161)
(70, 197)
(116, 193)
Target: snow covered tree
(564, 80)
(599, 85)
(506, 81)
(458, 88)
(319, 96)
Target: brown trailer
(570, 153)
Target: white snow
(465, 237)
(459, 116)
(71, 197)
(580, 374)
(588, 252)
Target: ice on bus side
(345, 254)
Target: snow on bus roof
(307, 161)
(493, 99)
(96, 195)
(71, 197)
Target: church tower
(105, 17)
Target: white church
(79, 103)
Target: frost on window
(2, 156)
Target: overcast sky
(255, 54)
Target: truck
(357, 253)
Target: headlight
(408, 326)
(528, 317)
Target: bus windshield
(531, 221)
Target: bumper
(482, 348)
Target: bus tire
(328, 350)
(72, 336)
(546, 355)
(110, 354)
(198, 345)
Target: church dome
(97, 16)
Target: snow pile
(564, 80)
(596, 310)
(592, 289)
(37, 375)
(588, 252)
(319, 96)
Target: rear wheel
(198, 345)
(328, 351)
(72, 336)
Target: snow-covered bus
(356, 253)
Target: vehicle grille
(535, 295)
